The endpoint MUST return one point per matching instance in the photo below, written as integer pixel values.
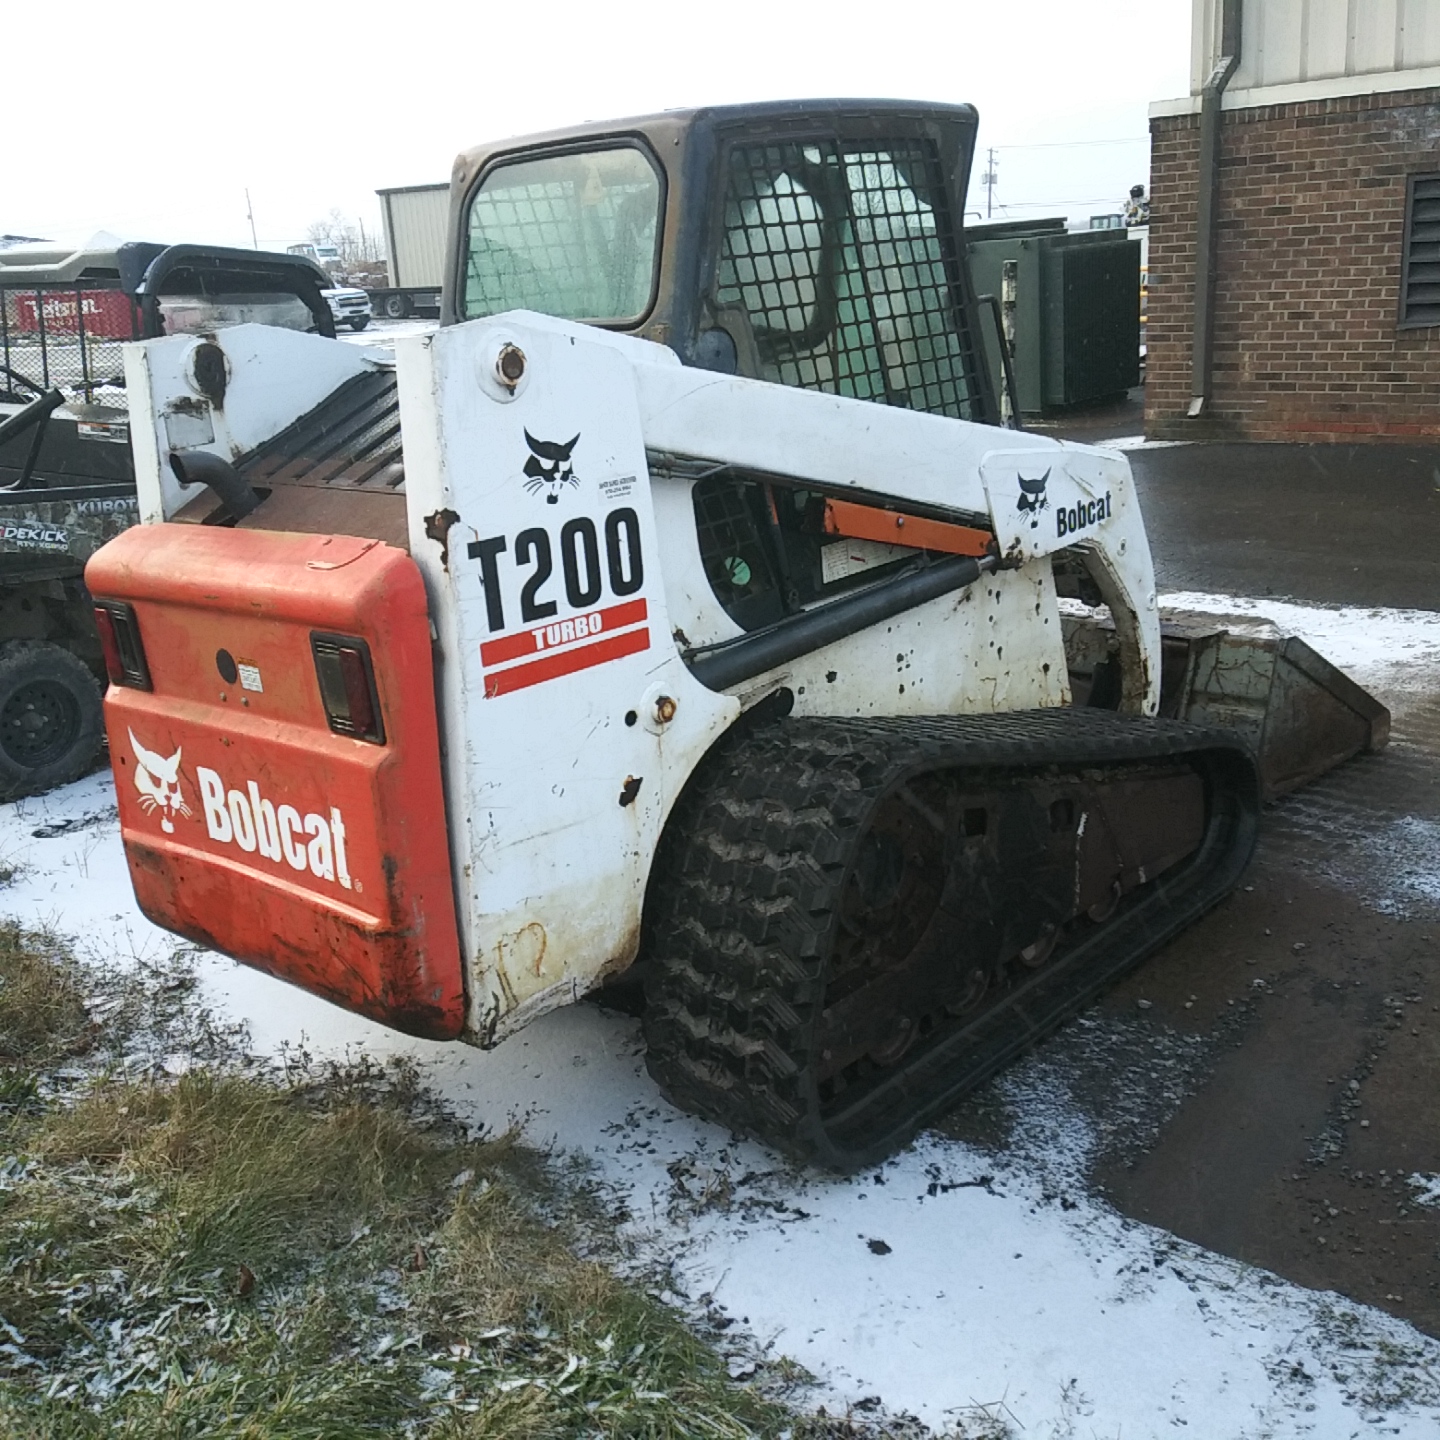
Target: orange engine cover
(249, 824)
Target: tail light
(120, 640)
(347, 686)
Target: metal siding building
(417, 221)
(1291, 42)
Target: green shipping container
(1077, 310)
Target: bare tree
(356, 245)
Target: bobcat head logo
(548, 467)
(157, 778)
(1032, 499)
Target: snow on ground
(1136, 442)
(1393, 649)
(954, 1281)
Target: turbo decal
(1071, 519)
(562, 648)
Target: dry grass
(42, 1004)
(220, 1255)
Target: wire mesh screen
(65, 337)
(844, 258)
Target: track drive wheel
(852, 923)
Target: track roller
(854, 922)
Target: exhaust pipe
(199, 467)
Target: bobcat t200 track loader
(705, 622)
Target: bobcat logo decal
(1032, 499)
(548, 467)
(157, 778)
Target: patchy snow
(1403, 853)
(1139, 442)
(1426, 1188)
(958, 1281)
(1373, 645)
(950, 1281)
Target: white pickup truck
(349, 306)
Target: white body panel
(273, 376)
(551, 866)
(555, 802)
(565, 580)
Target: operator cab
(810, 243)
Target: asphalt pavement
(1312, 1090)
(1329, 524)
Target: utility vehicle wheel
(397, 307)
(360, 322)
(50, 718)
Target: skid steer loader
(680, 603)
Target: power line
(1055, 204)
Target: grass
(43, 1018)
(225, 1255)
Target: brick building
(1324, 317)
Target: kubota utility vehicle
(67, 482)
(679, 603)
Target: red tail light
(120, 640)
(347, 687)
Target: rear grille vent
(351, 439)
(1420, 282)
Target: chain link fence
(65, 337)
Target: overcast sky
(150, 120)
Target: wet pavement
(1313, 993)
(1332, 524)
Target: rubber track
(749, 878)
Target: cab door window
(843, 258)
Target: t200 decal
(579, 547)
(592, 563)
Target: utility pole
(250, 216)
(988, 179)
